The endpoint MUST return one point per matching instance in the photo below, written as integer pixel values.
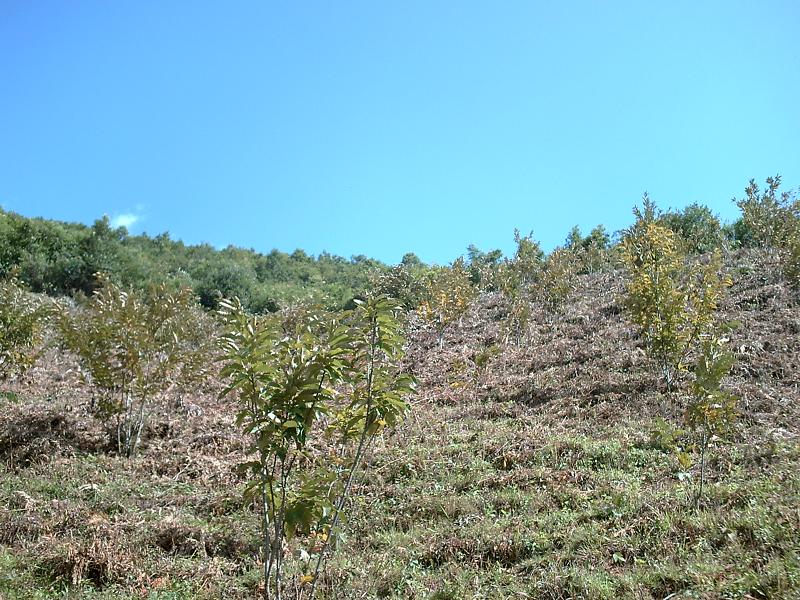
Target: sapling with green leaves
(22, 318)
(770, 215)
(288, 373)
(515, 279)
(772, 219)
(133, 347)
(558, 278)
(593, 251)
(528, 258)
(378, 390)
(483, 267)
(712, 409)
(284, 370)
(482, 359)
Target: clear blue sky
(382, 127)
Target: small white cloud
(126, 220)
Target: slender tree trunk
(267, 543)
(667, 376)
(138, 426)
(704, 443)
(338, 510)
(268, 540)
(128, 426)
(279, 532)
(356, 459)
(119, 435)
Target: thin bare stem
(359, 451)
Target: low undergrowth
(471, 508)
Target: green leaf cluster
(698, 229)
(593, 252)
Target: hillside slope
(541, 480)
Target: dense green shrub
(53, 257)
(483, 267)
(696, 226)
(771, 216)
(528, 258)
(404, 282)
(738, 234)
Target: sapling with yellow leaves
(448, 294)
(558, 278)
(673, 302)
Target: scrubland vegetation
(615, 419)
